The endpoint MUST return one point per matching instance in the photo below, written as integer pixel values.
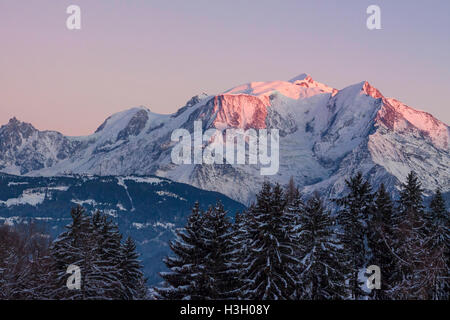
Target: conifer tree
(186, 278)
(34, 275)
(294, 204)
(381, 240)
(294, 209)
(239, 249)
(270, 260)
(321, 274)
(411, 201)
(75, 246)
(439, 238)
(411, 251)
(32, 270)
(38, 279)
(355, 210)
(131, 274)
(23, 261)
(439, 220)
(94, 245)
(292, 192)
(107, 279)
(12, 263)
(218, 253)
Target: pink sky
(161, 53)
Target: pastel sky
(161, 53)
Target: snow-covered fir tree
(217, 237)
(271, 261)
(186, 278)
(94, 245)
(239, 249)
(294, 208)
(354, 212)
(439, 238)
(381, 239)
(108, 258)
(416, 265)
(294, 205)
(75, 246)
(34, 245)
(23, 262)
(292, 192)
(11, 263)
(131, 274)
(321, 270)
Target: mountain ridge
(326, 135)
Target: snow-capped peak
(302, 86)
(325, 136)
(368, 89)
(14, 122)
(120, 120)
(399, 117)
(306, 81)
(300, 77)
(15, 126)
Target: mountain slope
(147, 208)
(325, 135)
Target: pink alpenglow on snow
(302, 86)
(241, 111)
(325, 136)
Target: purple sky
(161, 53)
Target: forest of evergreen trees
(33, 267)
(286, 247)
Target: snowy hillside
(325, 135)
(147, 208)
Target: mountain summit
(326, 135)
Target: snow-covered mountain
(325, 135)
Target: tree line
(34, 267)
(288, 247)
